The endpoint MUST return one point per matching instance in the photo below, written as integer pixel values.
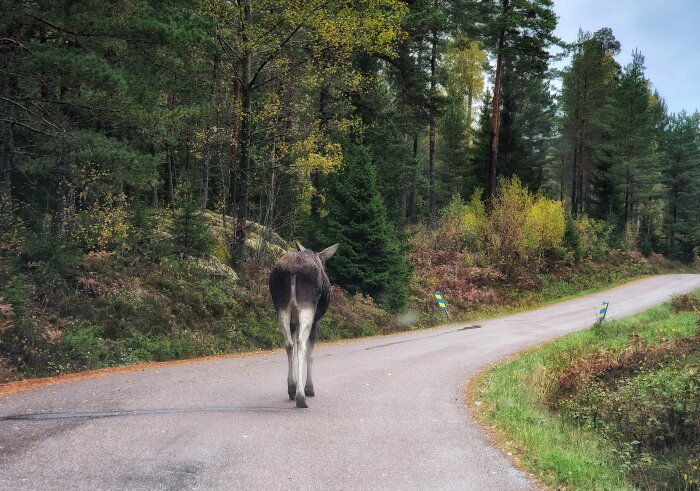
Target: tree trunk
(411, 208)
(239, 252)
(323, 100)
(496, 114)
(7, 144)
(63, 213)
(207, 138)
(628, 207)
(581, 175)
(470, 102)
(233, 155)
(170, 177)
(205, 180)
(431, 136)
(574, 183)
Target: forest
(156, 155)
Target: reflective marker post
(441, 303)
(603, 310)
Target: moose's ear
(300, 247)
(328, 252)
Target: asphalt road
(389, 414)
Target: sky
(666, 32)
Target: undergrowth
(72, 303)
(612, 407)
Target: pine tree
(370, 259)
(635, 138)
(587, 93)
(519, 33)
(682, 171)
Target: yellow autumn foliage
(521, 227)
(544, 226)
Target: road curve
(389, 414)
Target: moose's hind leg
(309, 386)
(284, 316)
(306, 319)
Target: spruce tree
(370, 259)
(191, 233)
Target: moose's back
(300, 272)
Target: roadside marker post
(441, 303)
(602, 311)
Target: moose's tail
(293, 305)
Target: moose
(300, 292)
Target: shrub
(145, 238)
(545, 226)
(56, 261)
(12, 228)
(522, 227)
(468, 219)
(22, 342)
(506, 234)
(594, 237)
(103, 224)
(686, 303)
(85, 346)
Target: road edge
(18, 386)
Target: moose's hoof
(309, 391)
(292, 391)
(301, 401)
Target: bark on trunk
(207, 140)
(574, 183)
(496, 114)
(233, 155)
(170, 177)
(323, 100)
(7, 145)
(431, 136)
(239, 252)
(63, 213)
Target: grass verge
(595, 439)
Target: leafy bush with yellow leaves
(544, 227)
(522, 227)
(469, 220)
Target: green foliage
(131, 127)
(655, 409)
(370, 259)
(606, 408)
(522, 227)
(191, 233)
(85, 346)
(593, 238)
(682, 157)
(12, 228)
(145, 237)
(572, 238)
(54, 261)
(22, 342)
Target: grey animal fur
(301, 293)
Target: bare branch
(39, 116)
(28, 127)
